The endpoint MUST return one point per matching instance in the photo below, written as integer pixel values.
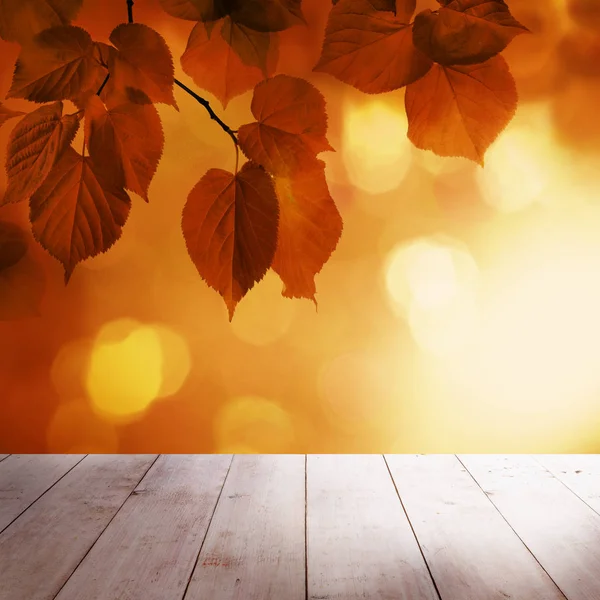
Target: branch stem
(130, 11)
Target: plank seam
(189, 581)
(42, 494)
(437, 591)
(561, 481)
(508, 523)
(106, 526)
(5, 457)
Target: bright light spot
(125, 370)
(253, 424)
(376, 151)
(176, 360)
(434, 284)
(524, 164)
(74, 428)
(264, 315)
(439, 165)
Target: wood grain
(560, 530)
(579, 472)
(359, 541)
(458, 528)
(254, 549)
(41, 549)
(149, 549)
(25, 477)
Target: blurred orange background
(459, 313)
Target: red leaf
(144, 62)
(76, 214)
(309, 230)
(34, 146)
(231, 63)
(20, 20)
(125, 141)
(465, 31)
(291, 126)
(7, 114)
(230, 227)
(58, 64)
(459, 111)
(370, 48)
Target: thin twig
(130, 11)
(103, 84)
(210, 111)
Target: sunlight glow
(376, 151)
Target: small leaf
(58, 64)
(221, 64)
(291, 126)
(310, 227)
(465, 32)
(144, 62)
(7, 114)
(13, 244)
(76, 214)
(34, 146)
(367, 46)
(461, 110)
(255, 48)
(125, 141)
(20, 20)
(230, 227)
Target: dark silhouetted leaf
(230, 228)
(13, 244)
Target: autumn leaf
(267, 15)
(230, 227)
(7, 114)
(76, 214)
(20, 20)
(13, 244)
(222, 64)
(290, 128)
(34, 147)
(405, 9)
(125, 141)
(465, 32)
(58, 64)
(309, 230)
(369, 47)
(460, 110)
(143, 62)
(197, 10)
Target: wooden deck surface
(295, 527)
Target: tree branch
(130, 11)
(103, 84)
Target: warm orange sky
(458, 313)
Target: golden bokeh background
(459, 313)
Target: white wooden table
(295, 527)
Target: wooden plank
(40, 550)
(559, 529)
(149, 549)
(254, 549)
(25, 477)
(579, 472)
(359, 541)
(458, 527)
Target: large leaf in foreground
(461, 110)
(75, 214)
(309, 230)
(230, 227)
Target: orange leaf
(7, 113)
(405, 9)
(76, 214)
(291, 126)
(196, 10)
(366, 45)
(125, 141)
(465, 32)
(34, 146)
(310, 227)
(144, 62)
(13, 245)
(230, 227)
(58, 64)
(459, 111)
(267, 15)
(222, 64)
(20, 20)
